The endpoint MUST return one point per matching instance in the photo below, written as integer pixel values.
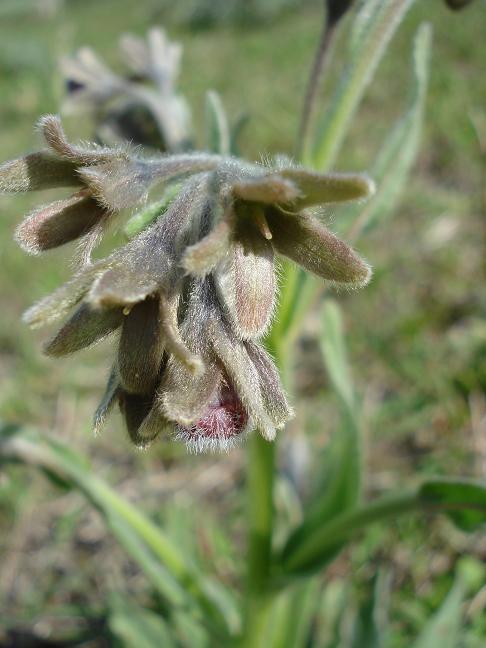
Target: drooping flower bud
(193, 292)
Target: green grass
(417, 341)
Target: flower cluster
(143, 106)
(194, 292)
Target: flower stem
(260, 482)
(261, 467)
(316, 72)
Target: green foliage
(333, 348)
(135, 626)
(173, 575)
(291, 621)
(339, 489)
(186, 589)
(444, 628)
(143, 218)
(317, 545)
(374, 26)
(453, 494)
(371, 623)
(394, 161)
(218, 137)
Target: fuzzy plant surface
(194, 292)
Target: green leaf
(333, 349)
(376, 23)
(336, 492)
(291, 623)
(444, 628)
(189, 632)
(175, 577)
(236, 132)
(156, 572)
(295, 300)
(218, 138)
(371, 622)
(333, 610)
(136, 627)
(363, 19)
(316, 548)
(452, 495)
(393, 164)
(340, 487)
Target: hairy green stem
(260, 484)
(261, 470)
(260, 508)
(320, 60)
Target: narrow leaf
(392, 166)
(371, 622)
(316, 548)
(444, 628)
(290, 624)
(452, 495)
(157, 574)
(139, 627)
(333, 349)
(218, 139)
(146, 216)
(339, 487)
(29, 446)
(378, 22)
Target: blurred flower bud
(336, 10)
(143, 106)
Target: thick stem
(261, 467)
(260, 508)
(313, 85)
(260, 483)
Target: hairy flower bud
(193, 292)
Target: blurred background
(416, 335)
